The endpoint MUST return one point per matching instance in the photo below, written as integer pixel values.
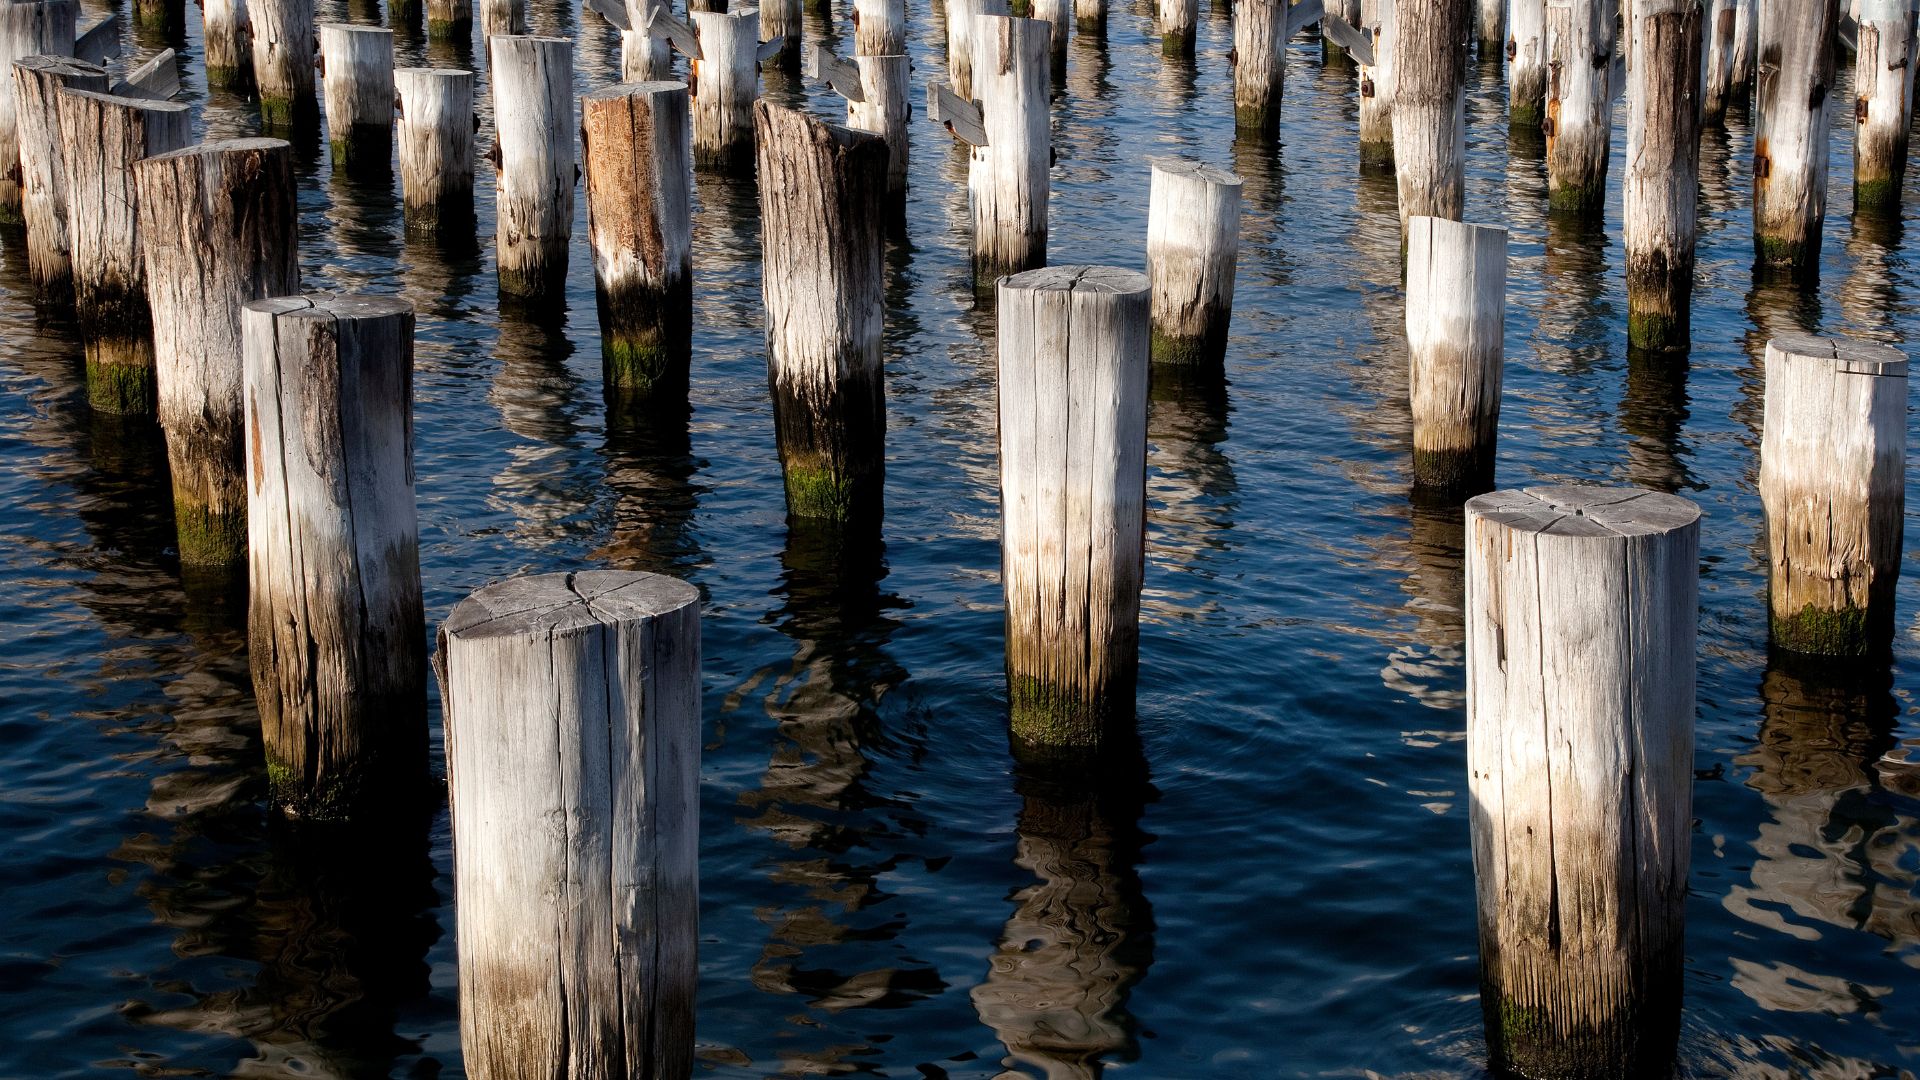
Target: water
(1280, 886)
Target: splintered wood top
(328, 306)
(1858, 357)
(1180, 166)
(632, 89)
(222, 146)
(1580, 510)
(549, 603)
(1082, 278)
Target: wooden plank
(1341, 33)
(962, 117)
(614, 11)
(100, 42)
(1300, 15)
(661, 23)
(769, 49)
(156, 80)
(818, 62)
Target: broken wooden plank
(662, 24)
(818, 62)
(156, 80)
(962, 117)
(1342, 33)
(99, 42)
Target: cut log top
(432, 73)
(63, 66)
(548, 604)
(142, 104)
(816, 128)
(629, 89)
(1178, 166)
(1100, 279)
(355, 28)
(1580, 510)
(1855, 357)
(221, 146)
(321, 306)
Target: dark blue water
(1282, 884)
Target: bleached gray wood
(725, 89)
(27, 28)
(1717, 85)
(358, 65)
(1582, 606)
(1429, 107)
(226, 33)
(1357, 44)
(1581, 36)
(843, 76)
(1259, 66)
(219, 228)
(879, 27)
(1456, 349)
(1526, 63)
(1193, 244)
(1790, 132)
(1376, 85)
(336, 634)
(37, 82)
(284, 47)
(573, 766)
(780, 20)
(1490, 29)
(1176, 21)
(1337, 33)
(1007, 178)
(158, 79)
(1058, 15)
(1302, 14)
(1746, 40)
(1833, 454)
(1073, 372)
(100, 139)
(98, 42)
(961, 33)
(644, 57)
(1662, 183)
(535, 166)
(503, 17)
(1883, 77)
(449, 20)
(961, 118)
(821, 193)
(661, 23)
(435, 141)
(883, 109)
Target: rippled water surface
(1280, 886)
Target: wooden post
(1662, 185)
(1177, 19)
(1073, 371)
(1347, 11)
(27, 28)
(574, 699)
(1582, 605)
(1456, 346)
(1007, 177)
(227, 34)
(1579, 120)
(1376, 86)
(821, 188)
(1527, 64)
(782, 20)
(1259, 66)
(358, 64)
(283, 54)
(635, 138)
(1746, 39)
(1193, 243)
(1717, 86)
(436, 148)
(962, 17)
(1057, 14)
(503, 18)
(336, 636)
(1089, 17)
(37, 82)
(726, 83)
(1790, 133)
(1883, 112)
(533, 157)
(1429, 107)
(219, 226)
(100, 139)
(883, 109)
(449, 20)
(1490, 20)
(1833, 453)
(879, 27)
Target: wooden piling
(1073, 372)
(1790, 132)
(1347, 11)
(782, 20)
(534, 161)
(1176, 19)
(962, 16)
(1582, 605)
(1090, 17)
(725, 85)
(1058, 15)
(1376, 86)
(1662, 184)
(449, 20)
(1581, 35)
(1429, 107)
(821, 193)
(358, 70)
(1833, 452)
(283, 54)
(1746, 40)
(1007, 178)
(575, 699)
(37, 82)
(1456, 348)
(503, 18)
(1716, 86)
(636, 141)
(219, 227)
(100, 139)
(879, 27)
(1193, 244)
(1883, 108)
(27, 28)
(1526, 64)
(1259, 66)
(884, 110)
(226, 33)
(336, 635)
(1490, 29)
(436, 148)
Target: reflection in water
(1191, 491)
(1081, 936)
(1653, 413)
(1576, 324)
(542, 401)
(1430, 668)
(1869, 295)
(650, 471)
(1773, 309)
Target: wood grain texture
(284, 46)
(1746, 46)
(1883, 88)
(1429, 102)
(962, 15)
(1582, 605)
(1832, 481)
(885, 111)
(1259, 66)
(533, 123)
(1376, 86)
(1490, 29)
(434, 139)
(1007, 179)
(37, 82)
(1716, 87)
(449, 20)
(1073, 372)
(821, 191)
(879, 27)
(1581, 36)
(725, 84)
(336, 635)
(503, 17)
(1176, 20)
(1456, 310)
(359, 93)
(781, 19)
(220, 230)
(27, 28)
(1661, 188)
(1526, 63)
(227, 36)
(1793, 78)
(573, 763)
(1193, 247)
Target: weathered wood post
(726, 82)
(1790, 133)
(962, 30)
(1193, 243)
(100, 139)
(1527, 64)
(227, 34)
(1579, 123)
(503, 17)
(358, 69)
(436, 148)
(1456, 347)
(1012, 137)
(283, 53)
(575, 698)
(1582, 605)
(1057, 14)
(1073, 372)
(1348, 12)
(37, 82)
(534, 160)
(1090, 17)
(1833, 454)
(647, 56)
(1177, 19)
(27, 28)
(821, 192)
(1259, 66)
(1490, 29)
(1716, 88)
(879, 27)
(336, 635)
(449, 20)
(1429, 107)
(1376, 86)
(782, 21)
(219, 227)
(1662, 185)
(1746, 40)
(875, 88)
(1883, 111)
(636, 141)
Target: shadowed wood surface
(533, 128)
(37, 82)
(1456, 315)
(1660, 190)
(27, 28)
(1193, 246)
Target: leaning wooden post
(436, 148)
(1376, 86)
(1259, 66)
(1883, 111)
(339, 655)
(1193, 243)
(1833, 454)
(1790, 133)
(635, 138)
(1007, 174)
(283, 54)
(449, 20)
(37, 82)
(227, 33)
(1579, 120)
(1456, 347)
(1429, 107)
(1662, 185)
(219, 227)
(100, 139)
(1716, 86)
(533, 156)
(726, 84)
(1527, 64)
(27, 28)
(1073, 359)
(358, 68)
(879, 27)
(574, 699)
(1582, 606)
(503, 17)
(1177, 19)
